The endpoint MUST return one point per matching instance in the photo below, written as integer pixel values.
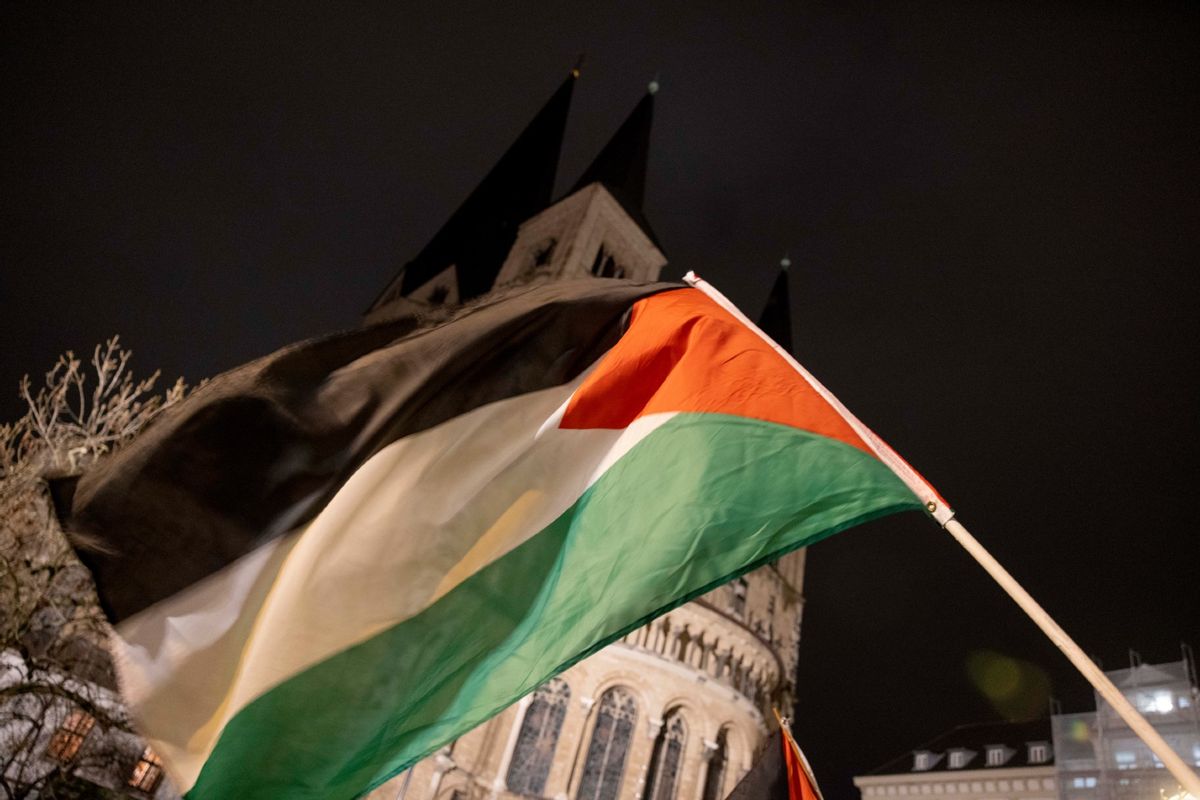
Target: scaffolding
(1098, 757)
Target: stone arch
(454, 784)
(740, 743)
(684, 702)
(629, 681)
(718, 759)
(684, 642)
(609, 742)
(666, 763)
(537, 738)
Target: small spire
(653, 86)
(776, 319)
(578, 68)
(477, 236)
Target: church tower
(462, 259)
(677, 709)
(599, 228)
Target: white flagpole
(944, 516)
(1145, 731)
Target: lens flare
(1015, 688)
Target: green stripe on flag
(702, 499)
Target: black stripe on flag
(260, 450)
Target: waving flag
(781, 772)
(327, 563)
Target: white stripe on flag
(420, 517)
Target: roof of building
(776, 319)
(477, 237)
(976, 738)
(621, 165)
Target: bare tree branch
(52, 632)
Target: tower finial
(785, 262)
(578, 68)
(653, 86)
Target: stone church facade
(677, 709)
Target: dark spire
(776, 319)
(478, 236)
(621, 165)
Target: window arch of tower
(666, 758)
(717, 767)
(605, 265)
(608, 749)
(537, 738)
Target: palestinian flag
(327, 563)
(780, 773)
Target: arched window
(715, 777)
(606, 754)
(534, 752)
(544, 252)
(664, 762)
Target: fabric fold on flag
(326, 564)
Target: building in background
(1000, 760)
(1100, 757)
(54, 741)
(1087, 756)
(675, 709)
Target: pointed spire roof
(776, 319)
(480, 233)
(621, 165)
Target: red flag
(780, 773)
(800, 782)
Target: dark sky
(993, 212)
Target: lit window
(611, 736)
(1126, 759)
(959, 758)
(921, 762)
(665, 760)
(67, 740)
(538, 738)
(997, 754)
(1162, 702)
(147, 773)
(1039, 752)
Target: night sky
(992, 210)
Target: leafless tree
(52, 658)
